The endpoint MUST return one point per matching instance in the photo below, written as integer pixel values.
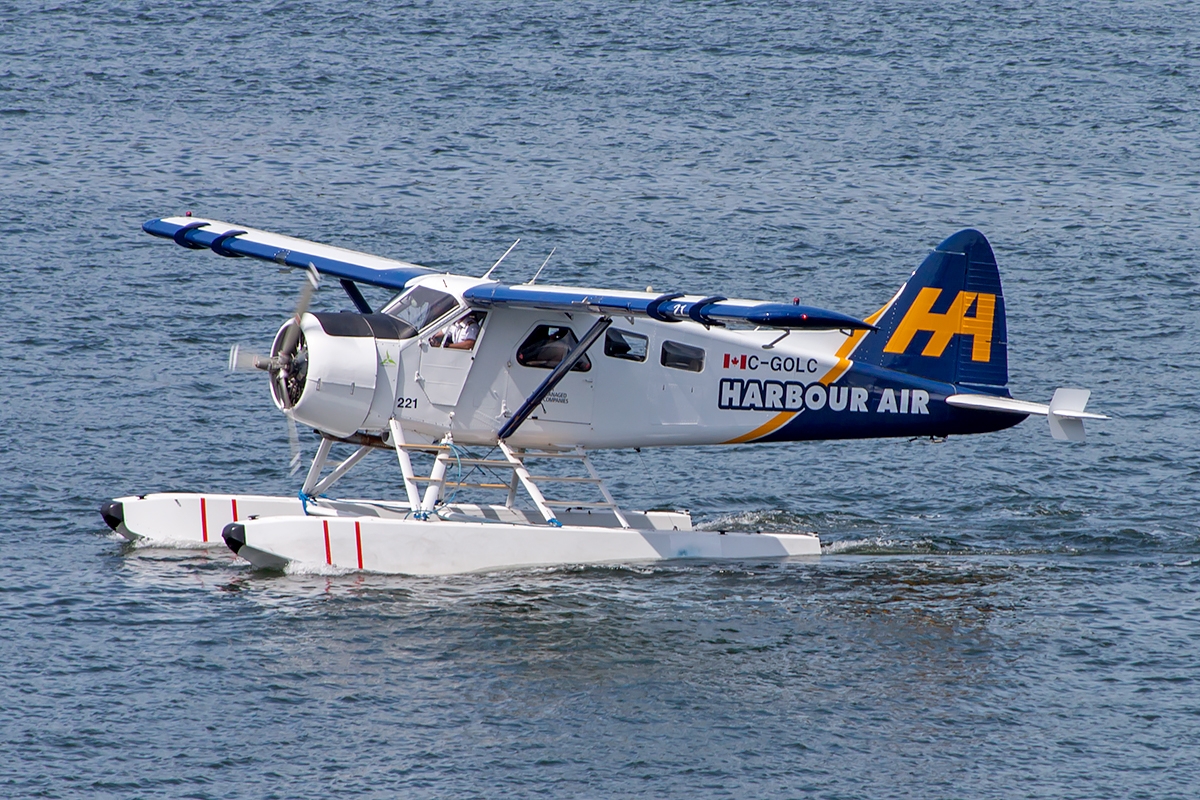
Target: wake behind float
(481, 388)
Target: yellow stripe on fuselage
(836, 371)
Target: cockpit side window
(460, 334)
(422, 306)
(547, 346)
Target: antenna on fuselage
(542, 267)
(506, 252)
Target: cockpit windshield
(421, 306)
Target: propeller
(247, 360)
(289, 360)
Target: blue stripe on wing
(198, 235)
(668, 307)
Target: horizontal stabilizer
(665, 307)
(1065, 411)
(1005, 405)
(230, 240)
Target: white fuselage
(471, 393)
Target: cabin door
(541, 350)
(446, 359)
(442, 373)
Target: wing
(712, 310)
(229, 240)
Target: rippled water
(995, 616)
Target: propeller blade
(285, 398)
(291, 336)
(246, 360)
(293, 445)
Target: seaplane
(490, 397)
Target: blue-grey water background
(995, 616)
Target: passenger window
(626, 345)
(547, 346)
(682, 356)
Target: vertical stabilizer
(947, 322)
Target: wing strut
(355, 295)
(539, 394)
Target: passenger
(551, 351)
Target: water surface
(994, 616)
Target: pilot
(463, 333)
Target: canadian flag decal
(735, 362)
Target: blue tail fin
(946, 323)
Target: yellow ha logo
(945, 326)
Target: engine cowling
(335, 377)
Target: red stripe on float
(203, 520)
(328, 554)
(233, 502)
(358, 541)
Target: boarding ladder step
(480, 462)
(517, 458)
(446, 454)
(563, 479)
